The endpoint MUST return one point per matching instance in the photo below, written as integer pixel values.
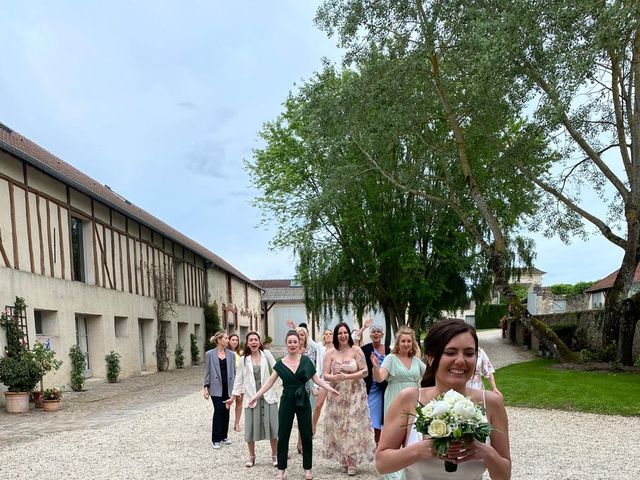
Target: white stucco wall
(64, 300)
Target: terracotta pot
(51, 405)
(17, 402)
(37, 398)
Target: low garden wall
(588, 332)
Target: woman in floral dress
(485, 369)
(348, 433)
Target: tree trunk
(542, 331)
(628, 323)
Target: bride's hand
(460, 452)
(426, 449)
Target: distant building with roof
(283, 300)
(83, 259)
(598, 291)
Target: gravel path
(158, 426)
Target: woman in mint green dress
(401, 368)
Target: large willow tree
(569, 69)
(360, 240)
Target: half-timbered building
(86, 260)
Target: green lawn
(537, 384)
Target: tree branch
(617, 108)
(603, 227)
(578, 138)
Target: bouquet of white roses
(450, 417)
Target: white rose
(465, 409)
(440, 408)
(438, 428)
(452, 396)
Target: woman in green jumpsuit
(294, 370)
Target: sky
(163, 101)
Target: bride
(451, 349)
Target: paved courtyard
(158, 426)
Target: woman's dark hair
(435, 342)
(336, 343)
(247, 350)
(291, 333)
(237, 346)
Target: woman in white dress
(261, 420)
(451, 350)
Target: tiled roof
(285, 283)
(607, 282)
(37, 156)
(290, 294)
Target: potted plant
(78, 362)
(51, 399)
(113, 366)
(18, 368)
(20, 373)
(46, 361)
(179, 356)
(195, 351)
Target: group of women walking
(363, 386)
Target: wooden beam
(41, 239)
(4, 253)
(32, 263)
(61, 241)
(94, 233)
(14, 233)
(49, 239)
(126, 238)
(121, 262)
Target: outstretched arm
(380, 374)
(265, 387)
(322, 384)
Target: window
(46, 322)
(121, 326)
(37, 316)
(77, 250)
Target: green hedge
(488, 316)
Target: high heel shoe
(299, 450)
(251, 461)
(275, 460)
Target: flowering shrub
(52, 393)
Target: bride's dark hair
(435, 342)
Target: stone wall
(588, 331)
(545, 300)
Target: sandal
(351, 470)
(281, 475)
(308, 475)
(236, 427)
(275, 460)
(251, 461)
(300, 450)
